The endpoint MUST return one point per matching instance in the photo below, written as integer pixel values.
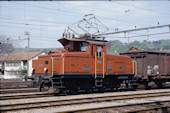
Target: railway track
(9, 94)
(25, 95)
(19, 90)
(145, 106)
(53, 102)
(16, 84)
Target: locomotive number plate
(99, 62)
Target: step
(134, 84)
(99, 76)
(55, 78)
(58, 82)
(132, 80)
(99, 85)
(99, 80)
(61, 87)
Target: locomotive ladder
(99, 81)
(98, 77)
(57, 83)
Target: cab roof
(65, 41)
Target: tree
(165, 44)
(5, 45)
(116, 46)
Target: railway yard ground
(25, 97)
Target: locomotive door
(99, 60)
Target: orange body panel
(82, 62)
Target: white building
(14, 65)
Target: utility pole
(28, 49)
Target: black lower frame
(74, 82)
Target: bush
(24, 71)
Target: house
(134, 48)
(14, 65)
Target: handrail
(133, 71)
(63, 65)
(52, 69)
(165, 63)
(136, 72)
(103, 64)
(95, 64)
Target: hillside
(114, 47)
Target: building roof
(135, 48)
(19, 56)
(145, 51)
(59, 50)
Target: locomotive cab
(74, 45)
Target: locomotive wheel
(88, 91)
(51, 90)
(145, 83)
(134, 86)
(112, 89)
(73, 91)
(73, 87)
(101, 90)
(63, 91)
(56, 90)
(44, 86)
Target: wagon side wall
(153, 63)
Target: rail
(103, 64)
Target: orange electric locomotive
(83, 64)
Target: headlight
(45, 69)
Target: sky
(46, 21)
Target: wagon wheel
(160, 84)
(135, 86)
(73, 88)
(101, 90)
(44, 86)
(88, 91)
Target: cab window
(99, 51)
(76, 46)
(67, 46)
(84, 46)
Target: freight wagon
(152, 66)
